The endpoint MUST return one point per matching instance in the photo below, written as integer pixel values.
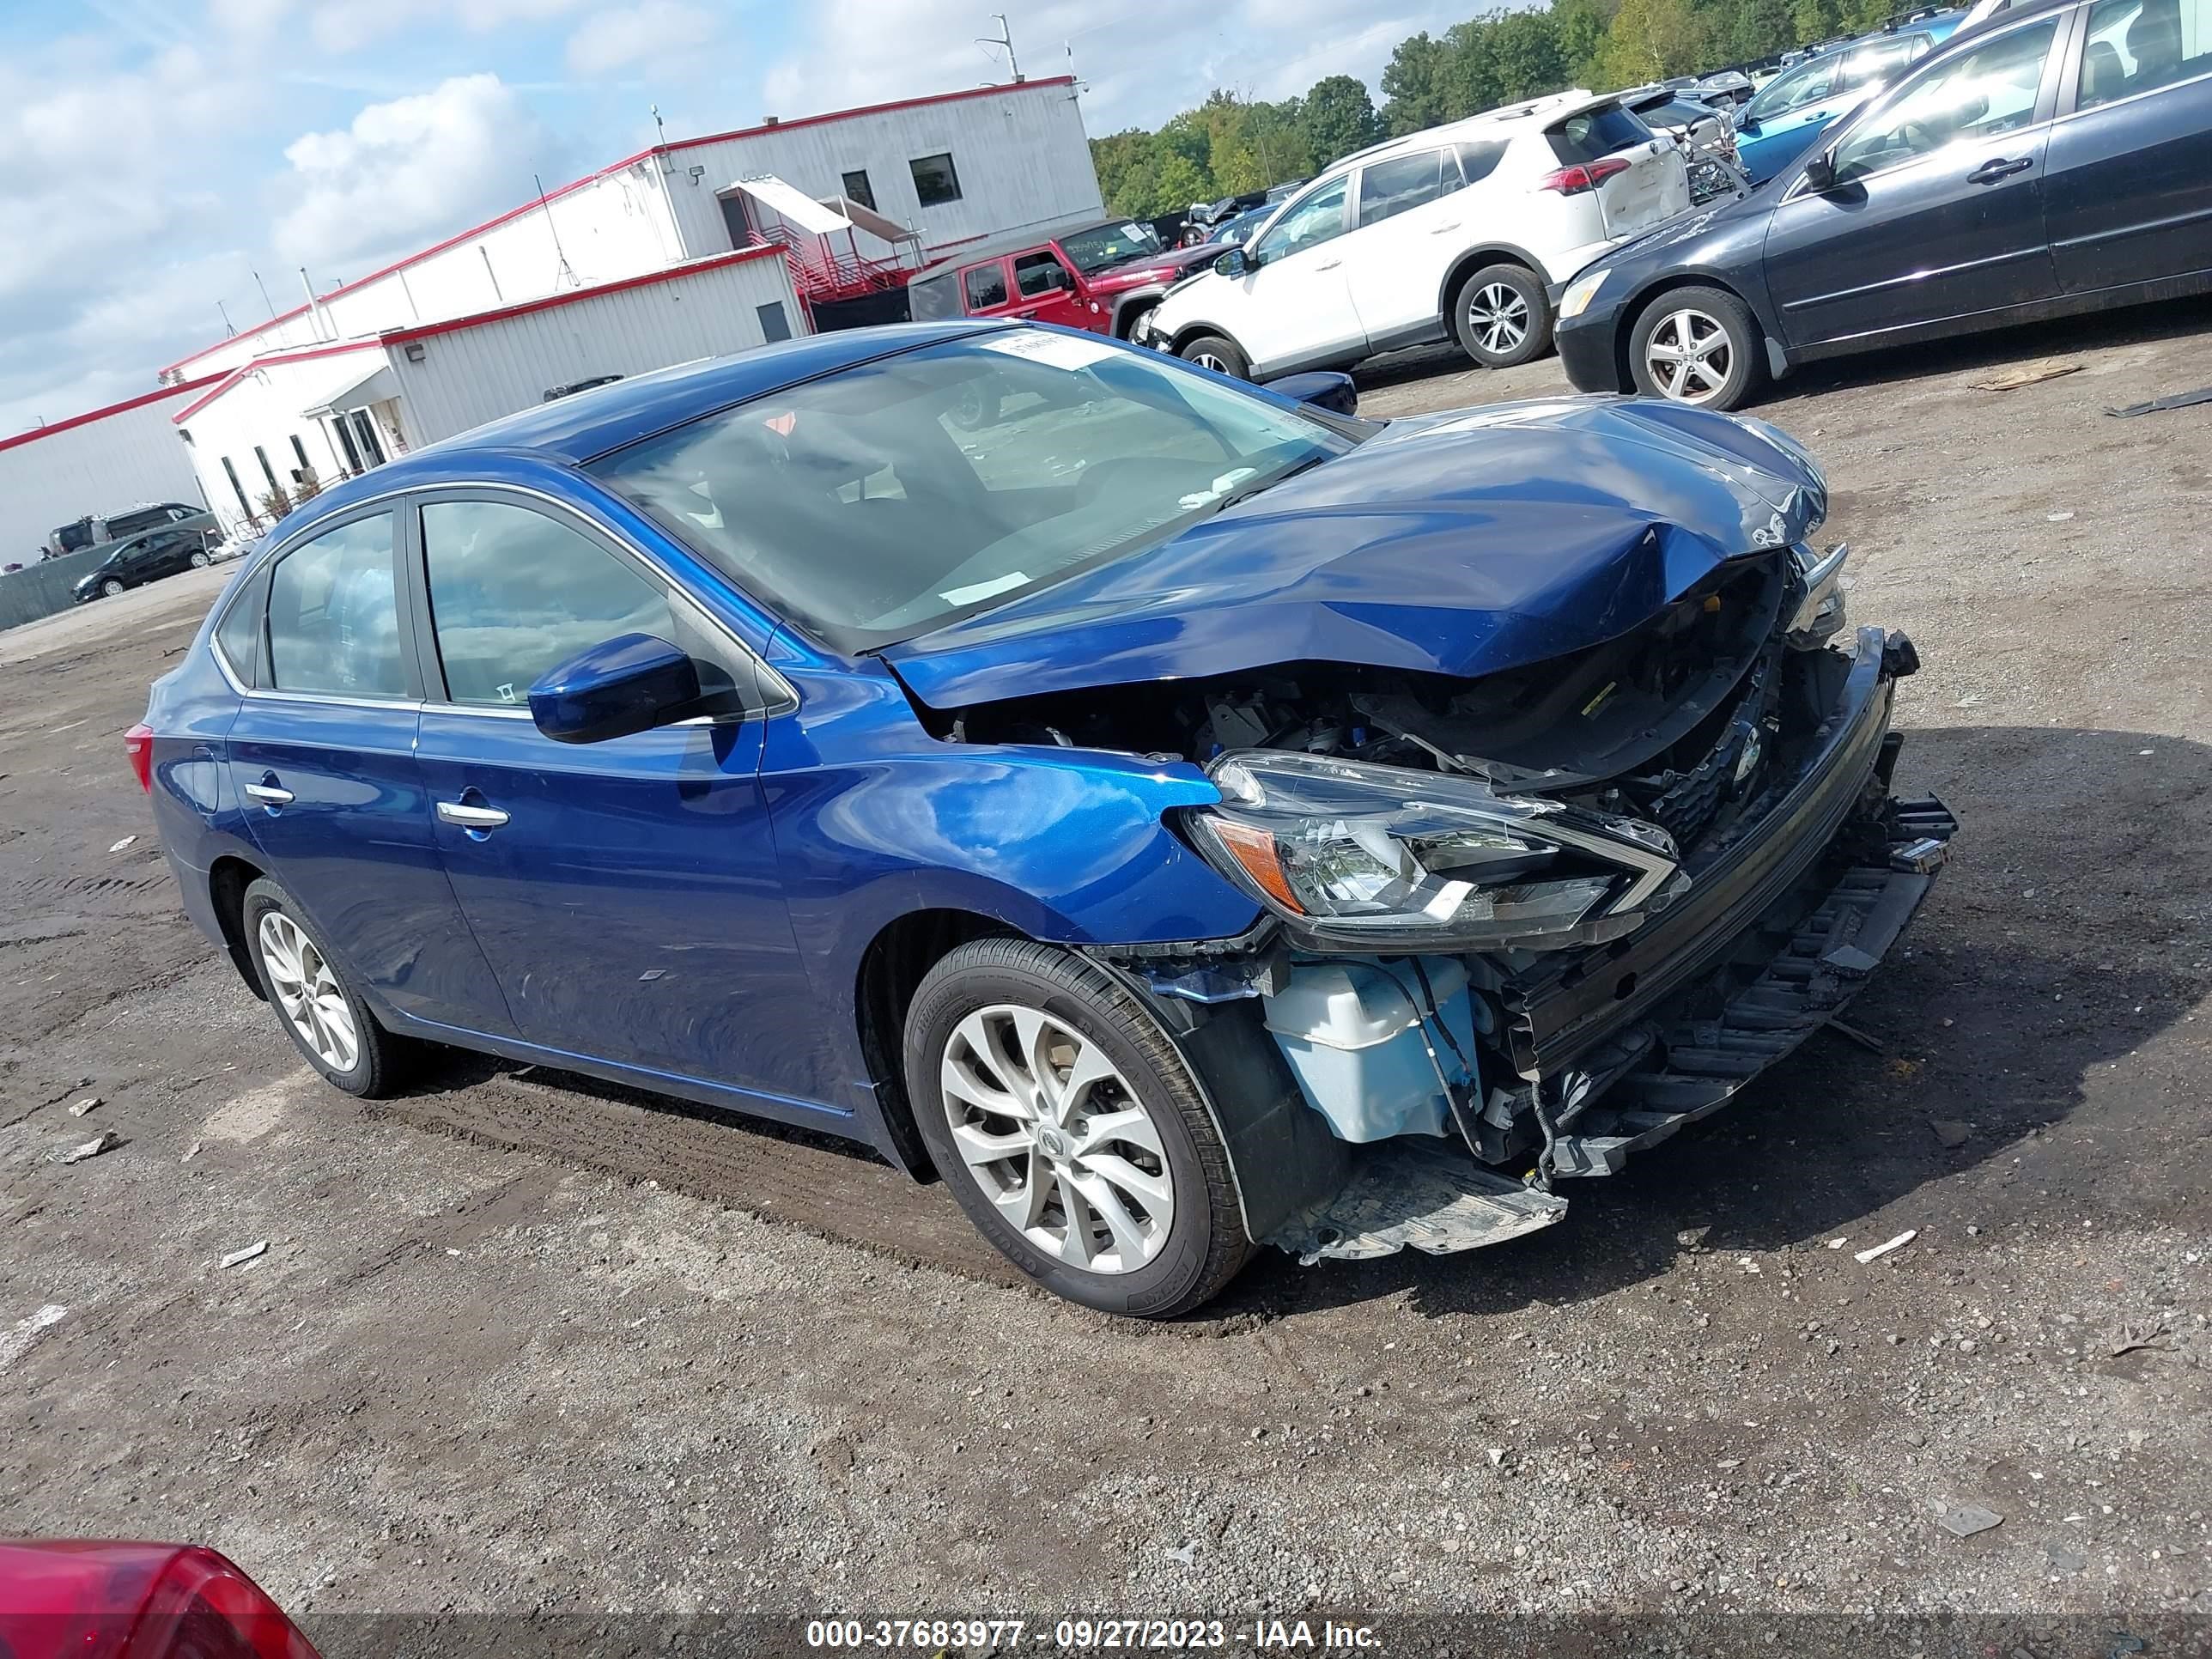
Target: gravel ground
(524, 1343)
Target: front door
(1294, 304)
(626, 891)
(1936, 210)
(2130, 182)
(322, 759)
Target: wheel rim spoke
(1689, 357)
(1056, 1139)
(308, 993)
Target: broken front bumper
(1626, 1045)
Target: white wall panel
(1021, 155)
(104, 466)
(264, 409)
(477, 374)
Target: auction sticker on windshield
(1060, 350)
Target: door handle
(470, 818)
(1990, 171)
(1331, 265)
(269, 794)
(1439, 230)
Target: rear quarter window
(1596, 133)
(1479, 160)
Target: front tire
(313, 999)
(111, 588)
(1699, 346)
(1502, 316)
(1070, 1131)
(1219, 354)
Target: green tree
(1466, 74)
(1525, 54)
(1411, 85)
(1581, 26)
(1338, 117)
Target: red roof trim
(609, 171)
(239, 373)
(90, 416)
(666, 274)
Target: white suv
(1471, 229)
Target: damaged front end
(1519, 926)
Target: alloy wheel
(1689, 357)
(1500, 317)
(1207, 360)
(1057, 1139)
(308, 993)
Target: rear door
(986, 289)
(1937, 213)
(1407, 214)
(322, 758)
(2130, 186)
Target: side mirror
(1323, 388)
(1746, 121)
(1235, 263)
(1821, 171)
(631, 683)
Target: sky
(155, 153)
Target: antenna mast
(1003, 37)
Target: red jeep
(1102, 277)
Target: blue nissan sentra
(1180, 816)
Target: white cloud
(248, 17)
(345, 26)
(405, 171)
(856, 51)
(628, 37)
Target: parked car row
(1469, 231)
(91, 529)
(1100, 277)
(2056, 158)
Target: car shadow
(2053, 950)
(1931, 359)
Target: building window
(775, 326)
(737, 222)
(934, 180)
(857, 188)
(267, 471)
(236, 488)
(305, 466)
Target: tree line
(1229, 145)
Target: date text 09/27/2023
(1091, 1635)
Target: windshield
(1109, 244)
(1803, 84)
(878, 503)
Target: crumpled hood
(1464, 544)
(1177, 259)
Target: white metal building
(952, 168)
(344, 407)
(101, 462)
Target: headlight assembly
(1347, 854)
(1580, 293)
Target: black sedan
(2055, 160)
(143, 558)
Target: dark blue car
(1178, 816)
(2054, 159)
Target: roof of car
(1550, 107)
(591, 424)
(994, 247)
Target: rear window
(1595, 132)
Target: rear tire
(1502, 316)
(314, 999)
(1221, 356)
(1070, 1131)
(199, 560)
(1699, 346)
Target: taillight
(138, 743)
(1573, 181)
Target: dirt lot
(521, 1342)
